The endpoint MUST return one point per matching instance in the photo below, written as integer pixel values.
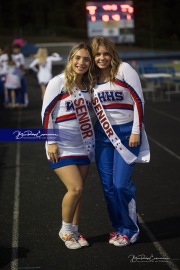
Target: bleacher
(159, 82)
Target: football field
(31, 195)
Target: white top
(58, 113)
(123, 100)
(3, 63)
(19, 59)
(13, 77)
(44, 71)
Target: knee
(77, 190)
(128, 189)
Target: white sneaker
(81, 240)
(121, 241)
(112, 237)
(70, 240)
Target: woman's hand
(134, 140)
(53, 152)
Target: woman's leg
(13, 97)
(72, 179)
(6, 97)
(75, 224)
(83, 169)
(104, 162)
(125, 192)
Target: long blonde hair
(41, 55)
(111, 48)
(70, 75)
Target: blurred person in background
(12, 82)
(18, 57)
(3, 71)
(65, 111)
(42, 65)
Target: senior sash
(128, 156)
(84, 120)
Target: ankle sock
(66, 227)
(75, 228)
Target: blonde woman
(42, 65)
(65, 112)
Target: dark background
(156, 21)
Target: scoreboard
(114, 20)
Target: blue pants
(21, 93)
(115, 175)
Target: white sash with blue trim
(85, 123)
(128, 156)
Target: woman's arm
(134, 85)
(33, 65)
(55, 57)
(50, 100)
(53, 152)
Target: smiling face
(81, 62)
(103, 58)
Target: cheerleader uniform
(58, 116)
(123, 105)
(44, 71)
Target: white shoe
(121, 241)
(112, 237)
(70, 240)
(81, 240)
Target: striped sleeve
(132, 81)
(51, 97)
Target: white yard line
(29, 268)
(164, 148)
(15, 227)
(156, 244)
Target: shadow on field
(162, 229)
(6, 254)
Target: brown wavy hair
(111, 48)
(70, 75)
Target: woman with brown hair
(121, 141)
